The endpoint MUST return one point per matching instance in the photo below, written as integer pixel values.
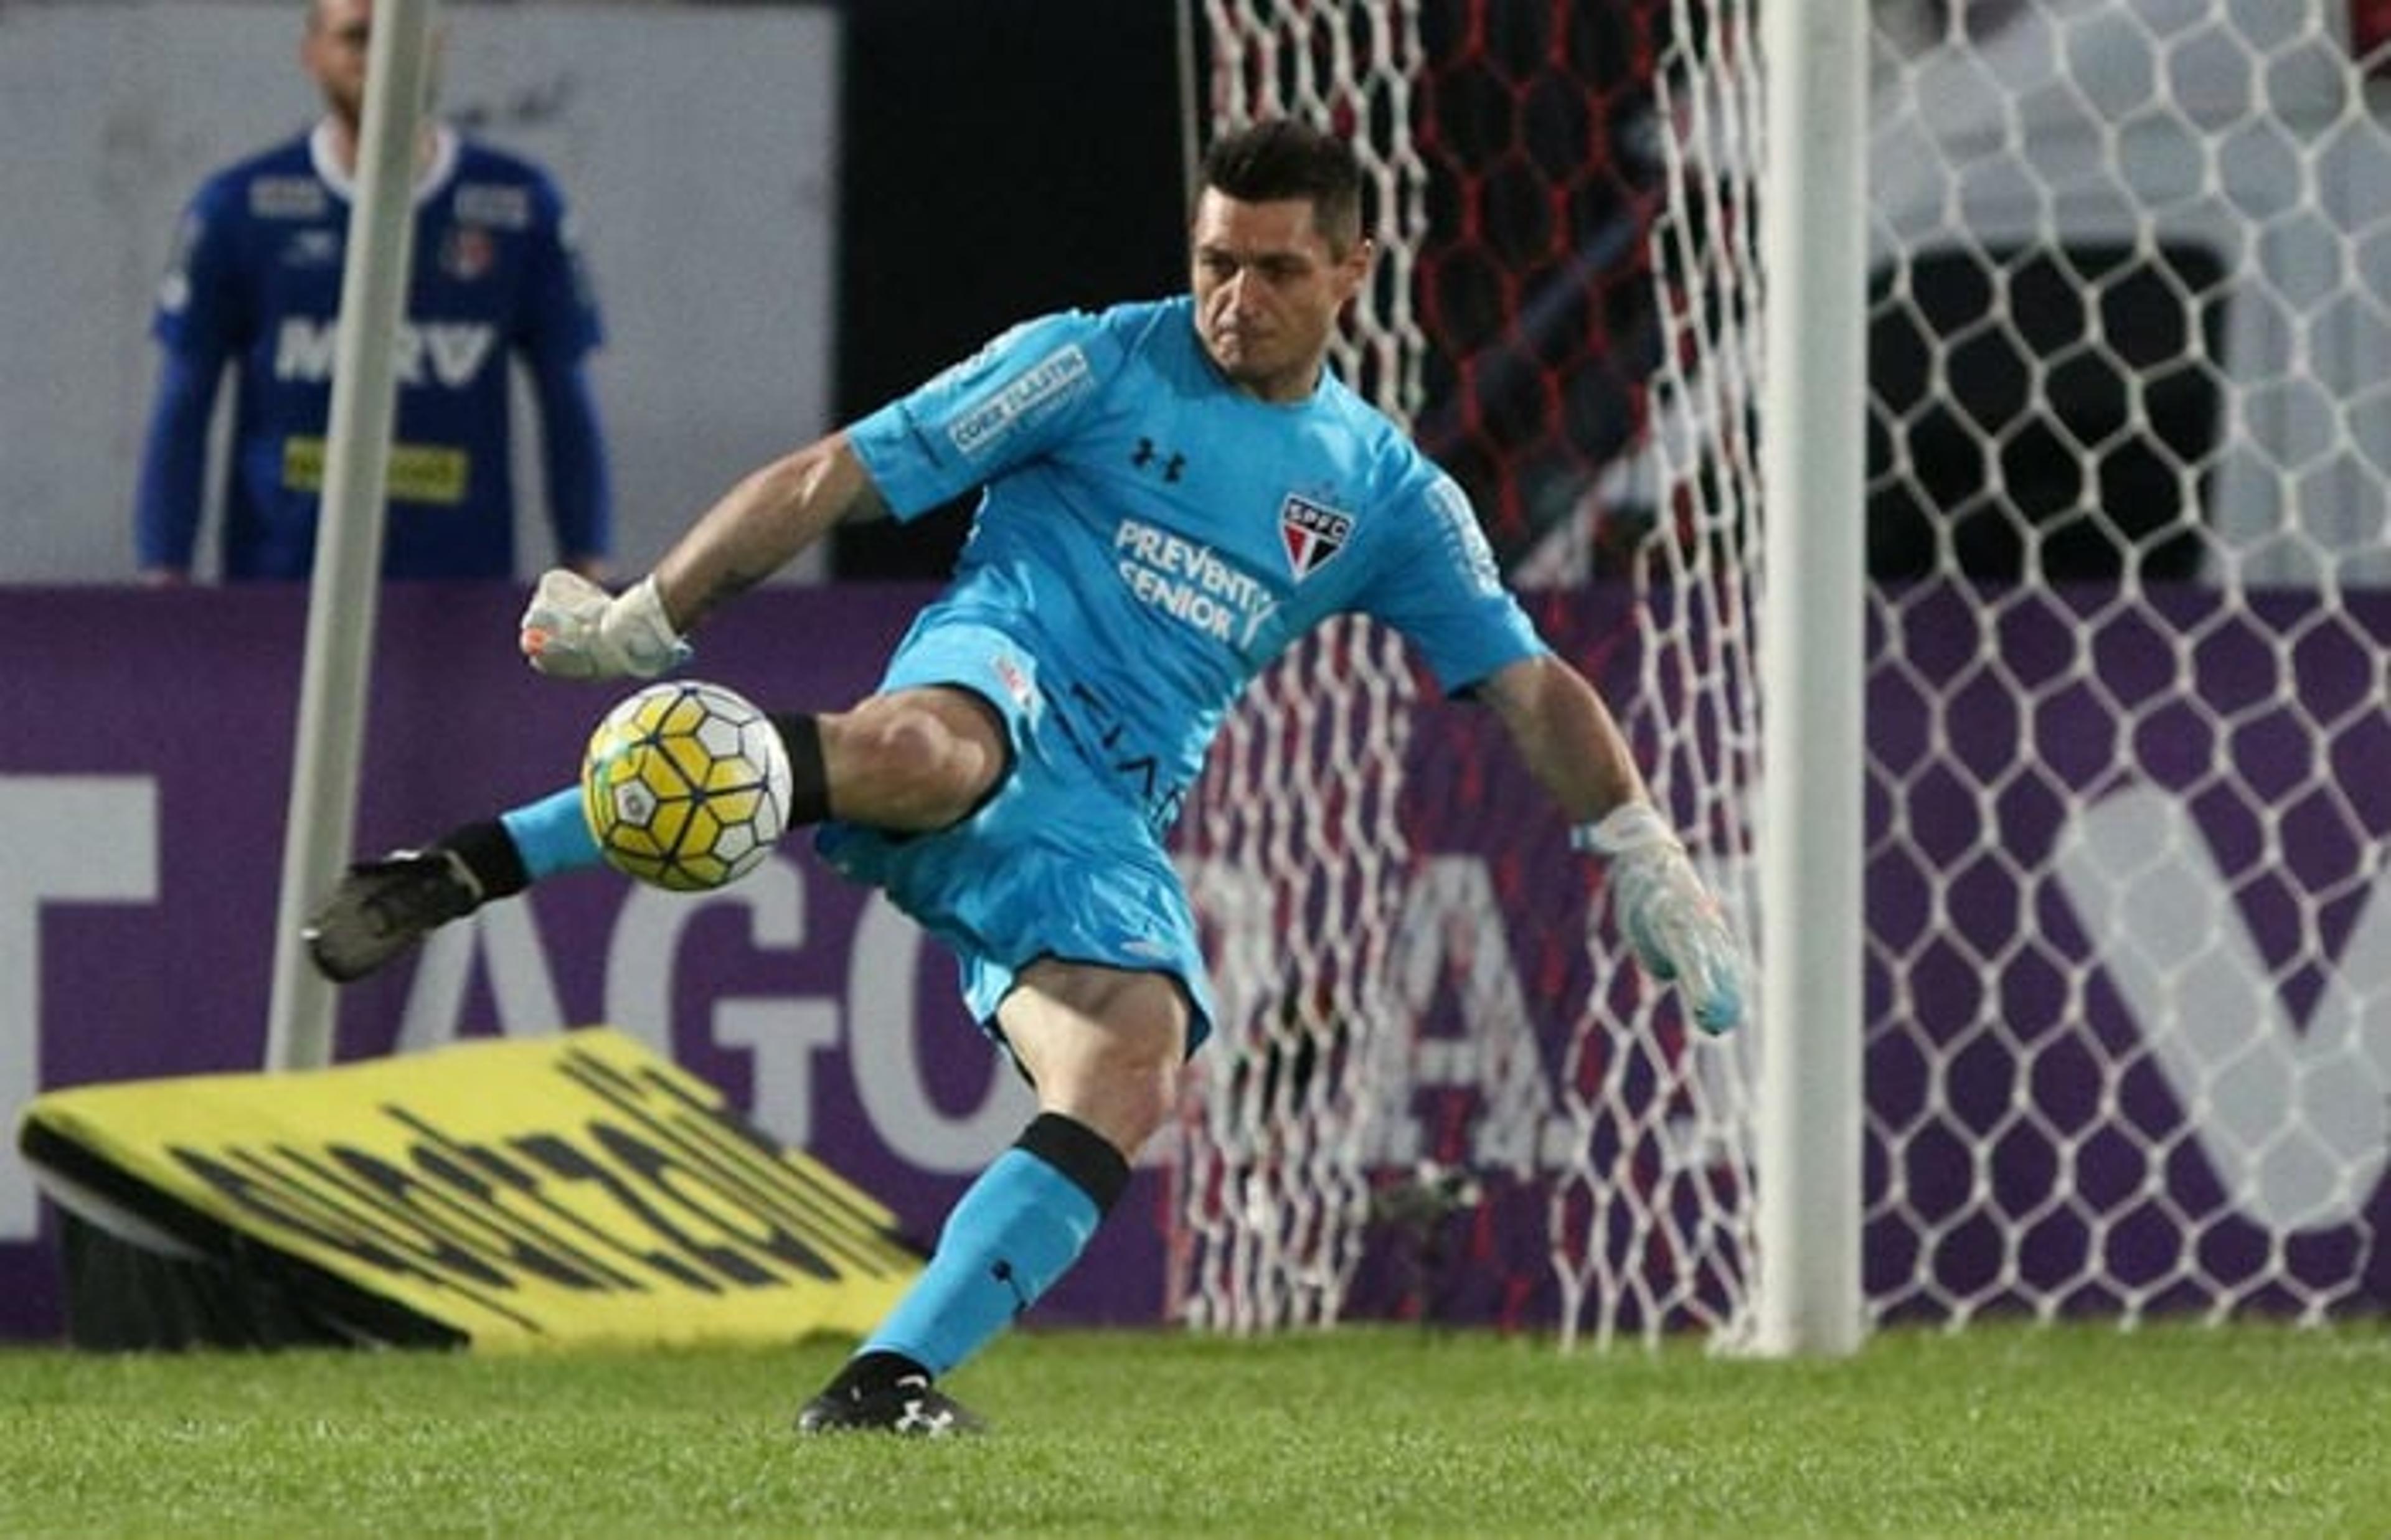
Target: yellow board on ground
(555, 1192)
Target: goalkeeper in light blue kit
(1172, 493)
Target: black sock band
(1079, 1153)
(809, 776)
(490, 854)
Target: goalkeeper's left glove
(1672, 920)
(573, 629)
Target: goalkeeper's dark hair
(1280, 159)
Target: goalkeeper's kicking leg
(1102, 1041)
(914, 760)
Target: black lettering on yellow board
(468, 1225)
(751, 1150)
(589, 1180)
(775, 1195)
(433, 1157)
(306, 1171)
(436, 1256)
(495, 1164)
(576, 1268)
(774, 1187)
(565, 1160)
(738, 1268)
(657, 1261)
(427, 1235)
(658, 1168)
(268, 1197)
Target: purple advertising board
(2042, 1132)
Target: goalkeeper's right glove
(1669, 917)
(573, 629)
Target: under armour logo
(1148, 454)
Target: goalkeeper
(1171, 492)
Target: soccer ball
(685, 785)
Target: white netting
(2130, 1033)
(2128, 1042)
(1430, 1093)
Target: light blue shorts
(1058, 862)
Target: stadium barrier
(141, 792)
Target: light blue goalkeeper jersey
(1155, 536)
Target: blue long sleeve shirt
(255, 283)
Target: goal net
(2127, 1035)
(1433, 1094)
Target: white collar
(428, 182)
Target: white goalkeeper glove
(573, 629)
(1669, 917)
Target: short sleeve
(1442, 591)
(999, 408)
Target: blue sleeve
(580, 494)
(560, 327)
(562, 321)
(202, 308)
(999, 408)
(173, 462)
(1440, 589)
(200, 317)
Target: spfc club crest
(1311, 533)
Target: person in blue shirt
(1171, 493)
(255, 282)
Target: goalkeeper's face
(1269, 286)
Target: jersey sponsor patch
(288, 198)
(1463, 537)
(495, 204)
(1192, 583)
(434, 473)
(1311, 532)
(1053, 379)
(1016, 682)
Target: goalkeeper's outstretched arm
(1574, 749)
(760, 525)
(576, 629)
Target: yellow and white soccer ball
(685, 785)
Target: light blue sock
(1017, 1230)
(551, 835)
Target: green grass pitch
(2006, 1431)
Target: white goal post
(345, 586)
(1813, 244)
(2077, 978)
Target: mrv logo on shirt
(450, 353)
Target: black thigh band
(1079, 1153)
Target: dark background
(1002, 158)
